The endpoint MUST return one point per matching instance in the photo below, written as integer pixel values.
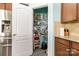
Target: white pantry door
(22, 27)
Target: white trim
(50, 30)
(38, 6)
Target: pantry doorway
(40, 31)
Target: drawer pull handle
(72, 52)
(67, 49)
(14, 34)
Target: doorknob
(14, 34)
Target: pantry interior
(40, 31)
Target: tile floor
(39, 52)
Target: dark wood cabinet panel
(78, 11)
(2, 5)
(68, 12)
(61, 47)
(75, 45)
(75, 49)
(64, 42)
(74, 52)
(66, 48)
(9, 6)
(6, 6)
(62, 50)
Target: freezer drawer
(6, 50)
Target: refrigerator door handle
(14, 34)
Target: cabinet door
(2, 6)
(74, 52)
(75, 49)
(68, 12)
(9, 6)
(78, 10)
(60, 48)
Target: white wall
(50, 30)
(57, 12)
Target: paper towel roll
(2, 34)
(62, 31)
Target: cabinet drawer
(63, 41)
(75, 45)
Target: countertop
(70, 38)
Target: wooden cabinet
(61, 47)
(5, 11)
(2, 6)
(78, 11)
(75, 49)
(66, 48)
(61, 50)
(64, 42)
(8, 6)
(68, 12)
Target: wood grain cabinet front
(61, 47)
(75, 49)
(8, 6)
(2, 6)
(68, 12)
(78, 11)
(61, 50)
(66, 48)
